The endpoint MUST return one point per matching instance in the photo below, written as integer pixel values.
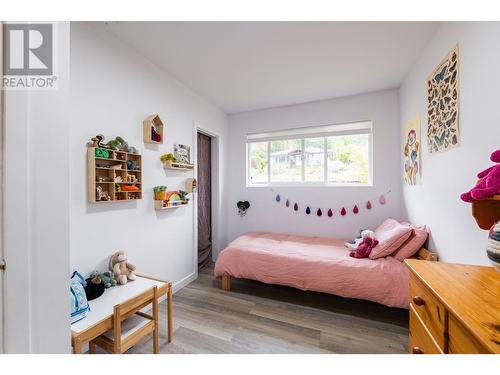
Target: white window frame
(324, 131)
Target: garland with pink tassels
(333, 211)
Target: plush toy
(364, 248)
(123, 271)
(183, 195)
(131, 166)
(97, 141)
(489, 184)
(106, 277)
(353, 245)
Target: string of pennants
(330, 211)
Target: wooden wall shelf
(486, 212)
(164, 205)
(168, 164)
(103, 171)
(151, 123)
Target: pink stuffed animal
(489, 185)
(364, 248)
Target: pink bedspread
(314, 263)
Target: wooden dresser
(454, 308)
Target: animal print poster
(442, 105)
(411, 151)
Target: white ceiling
(243, 66)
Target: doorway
(204, 168)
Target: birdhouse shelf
(153, 129)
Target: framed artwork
(443, 104)
(182, 153)
(412, 151)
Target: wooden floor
(260, 318)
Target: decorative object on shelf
(96, 142)
(131, 178)
(102, 195)
(160, 193)
(167, 157)
(191, 185)
(443, 104)
(184, 196)
(129, 188)
(411, 151)
(493, 249)
(485, 195)
(101, 153)
(182, 153)
(343, 210)
(122, 269)
(153, 129)
(172, 199)
(107, 176)
(132, 166)
(243, 206)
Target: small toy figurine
(102, 195)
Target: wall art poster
(442, 104)
(182, 153)
(412, 151)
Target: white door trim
(2, 330)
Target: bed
(317, 264)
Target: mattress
(317, 264)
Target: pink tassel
(369, 205)
(381, 200)
(355, 209)
(343, 212)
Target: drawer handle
(417, 350)
(418, 301)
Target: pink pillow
(412, 244)
(390, 235)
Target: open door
(204, 167)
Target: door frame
(2, 321)
(216, 205)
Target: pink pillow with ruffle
(412, 244)
(390, 235)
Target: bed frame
(422, 254)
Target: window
(322, 155)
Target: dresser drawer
(460, 339)
(421, 340)
(430, 310)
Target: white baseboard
(178, 285)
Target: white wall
(36, 214)
(112, 90)
(454, 233)
(266, 215)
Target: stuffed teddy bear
(365, 248)
(123, 271)
(489, 184)
(353, 245)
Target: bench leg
(226, 282)
(91, 347)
